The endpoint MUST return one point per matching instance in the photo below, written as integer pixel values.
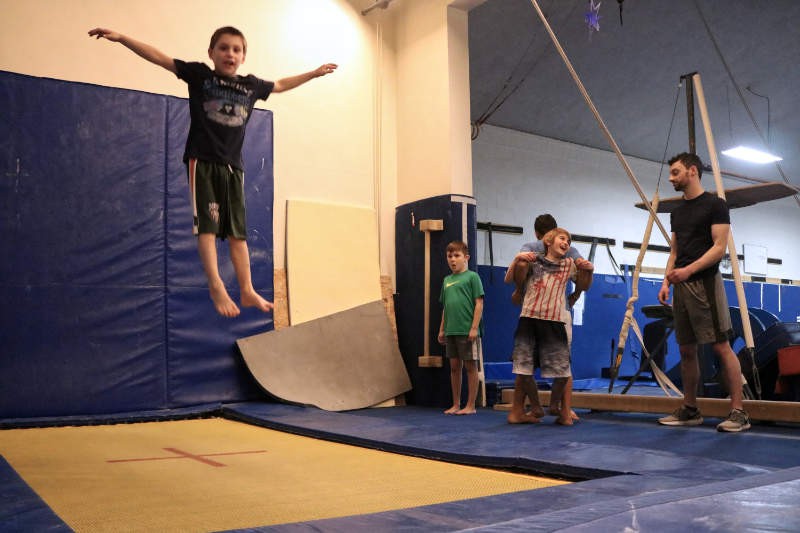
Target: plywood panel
(331, 257)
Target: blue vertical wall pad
(431, 386)
(106, 308)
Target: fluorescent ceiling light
(751, 155)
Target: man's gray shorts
(700, 310)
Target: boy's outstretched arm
(141, 49)
(284, 84)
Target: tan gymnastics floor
(216, 474)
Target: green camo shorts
(217, 194)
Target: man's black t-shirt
(691, 223)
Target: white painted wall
(432, 100)
(519, 176)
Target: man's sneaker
(683, 416)
(737, 421)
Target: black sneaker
(737, 421)
(683, 416)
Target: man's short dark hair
(688, 160)
(544, 223)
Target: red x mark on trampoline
(180, 454)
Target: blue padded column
(431, 386)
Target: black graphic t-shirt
(219, 108)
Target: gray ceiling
(632, 73)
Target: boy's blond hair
(458, 246)
(550, 236)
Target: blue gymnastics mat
(633, 470)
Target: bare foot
(222, 302)
(561, 421)
(253, 299)
(555, 411)
(466, 411)
(537, 411)
(522, 419)
(453, 410)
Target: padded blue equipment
(631, 463)
(107, 307)
(21, 509)
(767, 343)
(431, 386)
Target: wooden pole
(737, 277)
(628, 319)
(427, 360)
(599, 119)
(603, 127)
(481, 374)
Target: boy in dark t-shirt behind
(220, 104)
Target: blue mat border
(22, 509)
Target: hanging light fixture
(751, 155)
(746, 153)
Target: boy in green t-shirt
(461, 327)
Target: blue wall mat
(94, 206)
(204, 364)
(431, 386)
(83, 252)
(789, 309)
(81, 350)
(783, 301)
(499, 316)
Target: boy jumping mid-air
(220, 104)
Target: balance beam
(765, 410)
